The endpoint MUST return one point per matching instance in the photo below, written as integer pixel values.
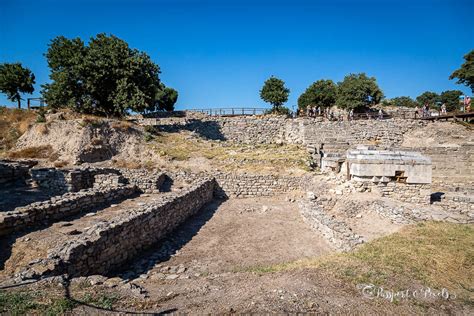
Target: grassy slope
(228, 156)
(13, 123)
(432, 254)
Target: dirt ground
(215, 263)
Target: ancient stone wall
(248, 185)
(454, 164)
(405, 192)
(60, 207)
(73, 180)
(105, 246)
(12, 171)
(339, 235)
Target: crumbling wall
(452, 164)
(60, 207)
(11, 171)
(106, 245)
(337, 233)
(250, 185)
(73, 180)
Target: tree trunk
(19, 103)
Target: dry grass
(229, 156)
(13, 123)
(130, 164)
(39, 152)
(61, 164)
(42, 128)
(434, 254)
(122, 125)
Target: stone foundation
(104, 247)
(60, 207)
(337, 233)
(11, 171)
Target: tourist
(351, 115)
(443, 108)
(467, 104)
(319, 111)
(380, 114)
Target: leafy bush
(41, 118)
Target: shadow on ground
(165, 249)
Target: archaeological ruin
(90, 218)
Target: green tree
(275, 93)
(428, 97)
(465, 74)
(105, 77)
(358, 91)
(451, 99)
(15, 80)
(165, 98)
(321, 93)
(404, 102)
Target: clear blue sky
(218, 53)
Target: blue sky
(218, 53)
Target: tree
(321, 93)
(465, 74)
(275, 93)
(106, 77)
(451, 99)
(165, 99)
(14, 80)
(404, 102)
(358, 91)
(428, 97)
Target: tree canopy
(451, 99)
(15, 80)
(105, 77)
(320, 93)
(275, 93)
(404, 102)
(428, 97)
(358, 91)
(465, 74)
(165, 99)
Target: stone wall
(60, 207)
(62, 180)
(105, 246)
(73, 180)
(277, 129)
(454, 164)
(405, 192)
(249, 185)
(337, 233)
(11, 171)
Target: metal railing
(230, 111)
(35, 103)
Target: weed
(17, 303)
(105, 301)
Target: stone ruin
(400, 174)
(166, 199)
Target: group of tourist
(328, 114)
